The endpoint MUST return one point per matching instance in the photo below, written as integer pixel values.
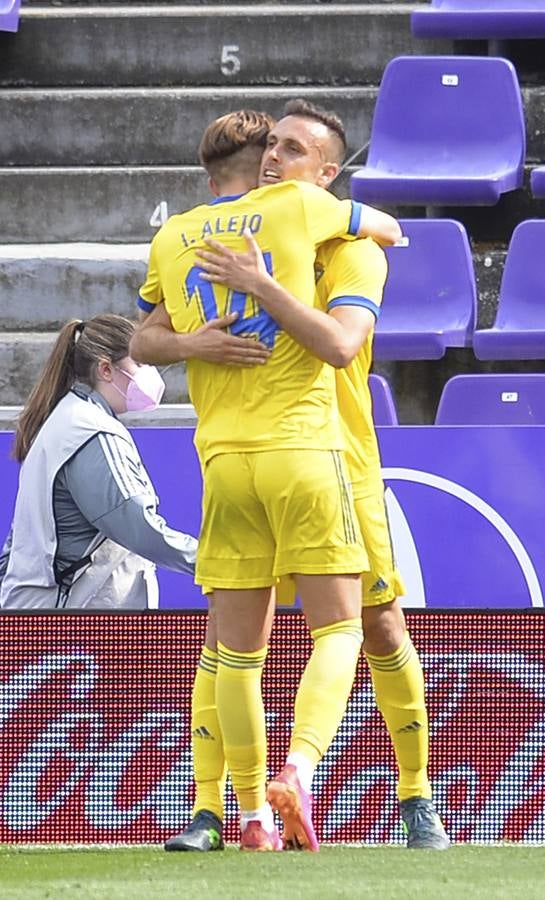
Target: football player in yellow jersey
(276, 498)
(349, 288)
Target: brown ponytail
(77, 350)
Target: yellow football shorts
(383, 582)
(275, 512)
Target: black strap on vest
(64, 579)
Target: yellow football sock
(206, 739)
(399, 688)
(242, 720)
(325, 687)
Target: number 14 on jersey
(258, 324)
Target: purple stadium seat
(519, 329)
(384, 411)
(430, 296)
(9, 15)
(493, 400)
(537, 179)
(446, 130)
(485, 19)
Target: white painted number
(159, 215)
(230, 63)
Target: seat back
(384, 411)
(537, 181)
(480, 19)
(493, 400)
(430, 290)
(445, 113)
(521, 303)
(520, 7)
(481, 6)
(9, 15)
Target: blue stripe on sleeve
(145, 304)
(355, 218)
(350, 300)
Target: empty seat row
(430, 298)
(488, 19)
(9, 15)
(446, 130)
(474, 400)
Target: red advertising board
(94, 728)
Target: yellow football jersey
(291, 400)
(353, 274)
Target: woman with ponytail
(86, 532)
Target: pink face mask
(145, 389)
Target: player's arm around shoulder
(328, 217)
(355, 324)
(380, 226)
(156, 342)
(361, 265)
(321, 334)
(350, 290)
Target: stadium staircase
(101, 111)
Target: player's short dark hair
(232, 134)
(308, 110)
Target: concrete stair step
(145, 126)
(92, 204)
(23, 354)
(115, 204)
(179, 45)
(417, 386)
(44, 285)
(163, 126)
(73, 286)
(154, 4)
(168, 415)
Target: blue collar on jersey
(226, 199)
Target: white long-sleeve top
(86, 527)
